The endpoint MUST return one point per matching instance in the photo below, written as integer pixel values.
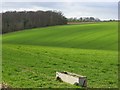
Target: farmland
(31, 57)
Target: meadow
(31, 57)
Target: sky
(102, 10)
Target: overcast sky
(102, 10)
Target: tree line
(84, 19)
(14, 21)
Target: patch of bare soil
(4, 86)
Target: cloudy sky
(102, 10)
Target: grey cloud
(102, 10)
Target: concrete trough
(72, 78)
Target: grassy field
(31, 57)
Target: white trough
(72, 78)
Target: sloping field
(31, 57)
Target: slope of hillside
(33, 56)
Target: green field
(31, 57)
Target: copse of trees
(14, 21)
(84, 19)
(111, 20)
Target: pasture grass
(31, 57)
